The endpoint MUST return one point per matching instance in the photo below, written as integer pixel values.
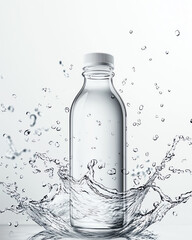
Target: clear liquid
(98, 137)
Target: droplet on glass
(49, 105)
(21, 176)
(161, 105)
(66, 109)
(191, 120)
(162, 119)
(166, 52)
(150, 59)
(160, 92)
(128, 104)
(111, 171)
(177, 33)
(71, 67)
(99, 122)
(141, 107)
(58, 122)
(23, 190)
(133, 68)
(60, 62)
(134, 124)
(130, 31)
(147, 154)
(57, 144)
(58, 129)
(112, 96)
(9, 223)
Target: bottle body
(97, 134)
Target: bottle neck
(99, 76)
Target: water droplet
(132, 83)
(133, 68)
(58, 122)
(120, 90)
(16, 224)
(128, 104)
(130, 31)
(136, 181)
(58, 129)
(34, 118)
(135, 149)
(177, 33)
(155, 137)
(60, 62)
(21, 176)
(27, 132)
(174, 214)
(36, 171)
(67, 109)
(141, 107)
(9, 223)
(111, 171)
(191, 120)
(143, 48)
(57, 144)
(150, 59)
(166, 52)
(160, 92)
(148, 171)
(23, 190)
(134, 124)
(169, 90)
(162, 105)
(38, 132)
(66, 139)
(162, 119)
(11, 108)
(71, 67)
(141, 166)
(89, 115)
(99, 122)
(101, 166)
(49, 105)
(153, 164)
(53, 126)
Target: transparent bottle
(98, 135)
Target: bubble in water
(141, 107)
(143, 48)
(177, 33)
(11, 108)
(66, 109)
(130, 31)
(27, 132)
(111, 171)
(155, 137)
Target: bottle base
(96, 232)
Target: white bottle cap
(93, 59)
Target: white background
(36, 35)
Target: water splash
(52, 211)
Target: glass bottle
(97, 137)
